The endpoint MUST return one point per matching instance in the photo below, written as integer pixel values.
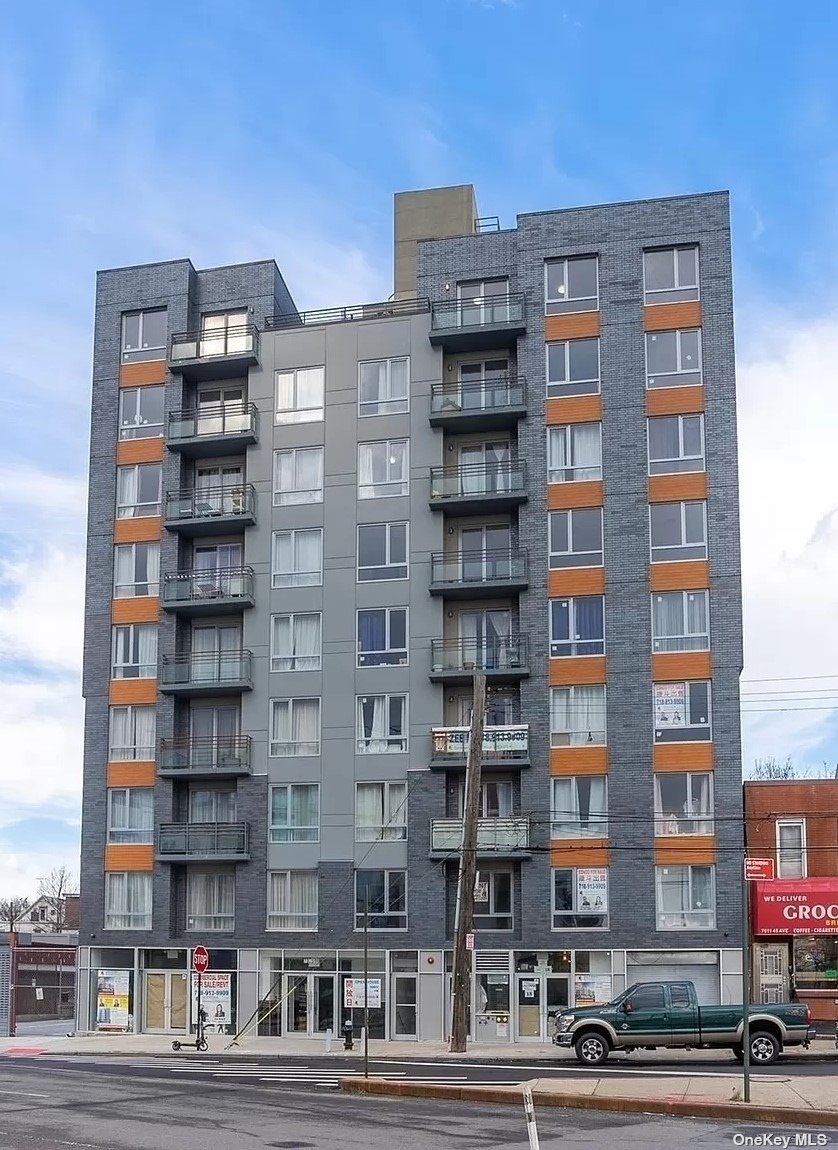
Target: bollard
(329, 1037)
(347, 1034)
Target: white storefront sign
(353, 993)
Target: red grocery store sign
(796, 906)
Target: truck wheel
(591, 1048)
(765, 1048)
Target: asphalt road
(77, 1107)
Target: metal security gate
(704, 975)
(5, 989)
(43, 998)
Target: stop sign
(200, 959)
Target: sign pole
(200, 1036)
(366, 982)
(746, 986)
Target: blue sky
(225, 132)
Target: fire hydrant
(347, 1034)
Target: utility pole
(366, 981)
(468, 869)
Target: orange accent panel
(693, 575)
(672, 488)
(142, 374)
(574, 409)
(578, 761)
(685, 849)
(668, 316)
(140, 774)
(125, 857)
(148, 529)
(576, 581)
(132, 691)
(577, 670)
(587, 493)
(579, 852)
(140, 450)
(675, 400)
(674, 665)
(572, 325)
(682, 757)
(140, 609)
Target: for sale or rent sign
(796, 906)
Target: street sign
(469, 942)
(200, 960)
(759, 869)
(353, 993)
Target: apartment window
(296, 641)
(225, 333)
(673, 358)
(382, 552)
(295, 727)
(576, 537)
(382, 724)
(210, 901)
(577, 626)
(493, 900)
(141, 412)
(791, 848)
(685, 897)
(577, 716)
(676, 444)
(298, 557)
(380, 812)
(571, 285)
(684, 803)
(211, 806)
(383, 386)
(580, 807)
(678, 531)
(298, 476)
(144, 335)
(580, 898)
(682, 712)
(574, 452)
(130, 815)
(295, 813)
(670, 275)
(138, 490)
(300, 395)
(497, 799)
(572, 368)
(292, 900)
(680, 621)
(132, 734)
(134, 651)
(128, 901)
(382, 637)
(482, 302)
(136, 570)
(381, 895)
(383, 469)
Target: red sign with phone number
(796, 906)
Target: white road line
(24, 1094)
(629, 1071)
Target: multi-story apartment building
(308, 529)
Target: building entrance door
(164, 996)
(558, 998)
(773, 969)
(405, 1002)
(528, 999)
(310, 1003)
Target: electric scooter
(200, 1042)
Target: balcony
(498, 837)
(208, 592)
(456, 660)
(211, 510)
(478, 405)
(216, 673)
(213, 429)
(504, 748)
(205, 758)
(351, 313)
(217, 353)
(203, 842)
(480, 324)
(478, 574)
(477, 488)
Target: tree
(12, 910)
(771, 769)
(54, 889)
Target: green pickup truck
(652, 1014)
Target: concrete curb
(779, 1115)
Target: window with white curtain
(685, 897)
(381, 895)
(574, 452)
(133, 733)
(382, 637)
(296, 641)
(128, 900)
(383, 469)
(575, 537)
(680, 621)
(134, 651)
(678, 531)
(138, 490)
(295, 813)
(382, 724)
(383, 386)
(683, 803)
(300, 395)
(298, 476)
(380, 812)
(673, 358)
(292, 900)
(141, 412)
(382, 551)
(676, 444)
(136, 570)
(295, 727)
(212, 806)
(577, 626)
(791, 848)
(577, 716)
(571, 284)
(298, 557)
(497, 799)
(670, 275)
(130, 815)
(580, 898)
(486, 639)
(572, 368)
(682, 712)
(579, 807)
(210, 901)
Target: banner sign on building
(353, 993)
(454, 740)
(592, 989)
(796, 906)
(217, 1001)
(592, 890)
(113, 989)
(670, 705)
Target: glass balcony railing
(189, 588)
(478, 481)
(474, 568)
(206, 756)
(213, 421)
(465, 397)
(485, 311)
(489, 654)
(211, 503)
(203, 841)
(233, 342)
(501, 835)
(204, 671)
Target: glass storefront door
(164, 995)
(309, 1004)
(405, 1002)
(528, 997)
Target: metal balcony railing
(493, 834)
(507, 744)
(477, 480)
(483, 311)
(203, 840)
(479, 654)
(326, 315)
(217, 668)
(225, 753)
(215, 343)
(471, 396)
(213, 421)
(211, 502)
(188, 587)
(476, 567)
